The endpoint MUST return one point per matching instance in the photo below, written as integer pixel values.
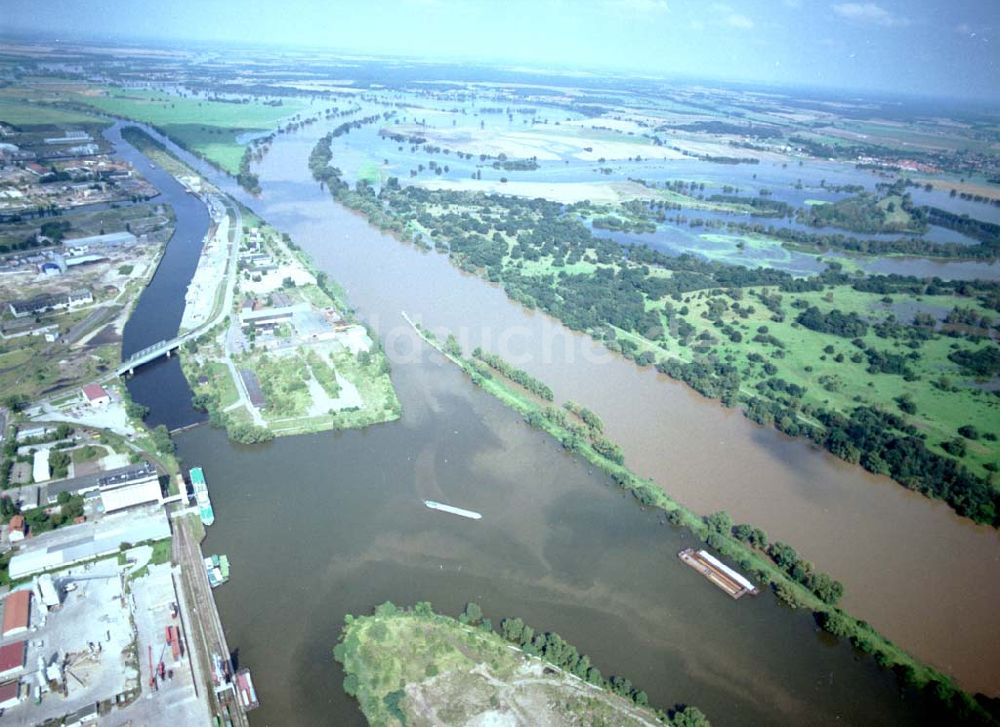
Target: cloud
(869, 13)
(735, 20)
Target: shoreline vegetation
(824, 358)
(402, 662)
(774, 564)
(291, 382)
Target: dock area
(718, 572)
(213, 665)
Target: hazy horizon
(863, 47)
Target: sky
(929, 47)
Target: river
(324, 525)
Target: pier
(211, 655)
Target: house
(96, 395)
(16, 531)
(12, 658)
(16, 612)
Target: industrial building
(87, 484)
(121, 495)
(96, 395)
(16, 612)
(10, 695)
(47, 303)
(12, 659)
(112, 239)
(87, 541)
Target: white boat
(472, 515)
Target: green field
(25, 112)
(207, 128)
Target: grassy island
(408, 666)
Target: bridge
(148, 354)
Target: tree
(162, 441)
(472, 615)
(136, 411)
(451, 346)
(720, 522)
(689, 717)
(246, 433)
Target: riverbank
(649, 494)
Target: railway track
(206, 627)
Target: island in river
(413, 666)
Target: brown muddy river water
(323, 525)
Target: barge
(471, 514)
(217, 567)
(205, 511)
(718, 572)
(245, 690)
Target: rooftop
(94, 391)
(75, 543)
(16, 608)
(12, 656)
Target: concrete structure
(12, 659)
(89, 540)
(96, 395)
(16, 612)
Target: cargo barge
(471, 514)
(205, 511)
(718, 572)
(245, 690)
